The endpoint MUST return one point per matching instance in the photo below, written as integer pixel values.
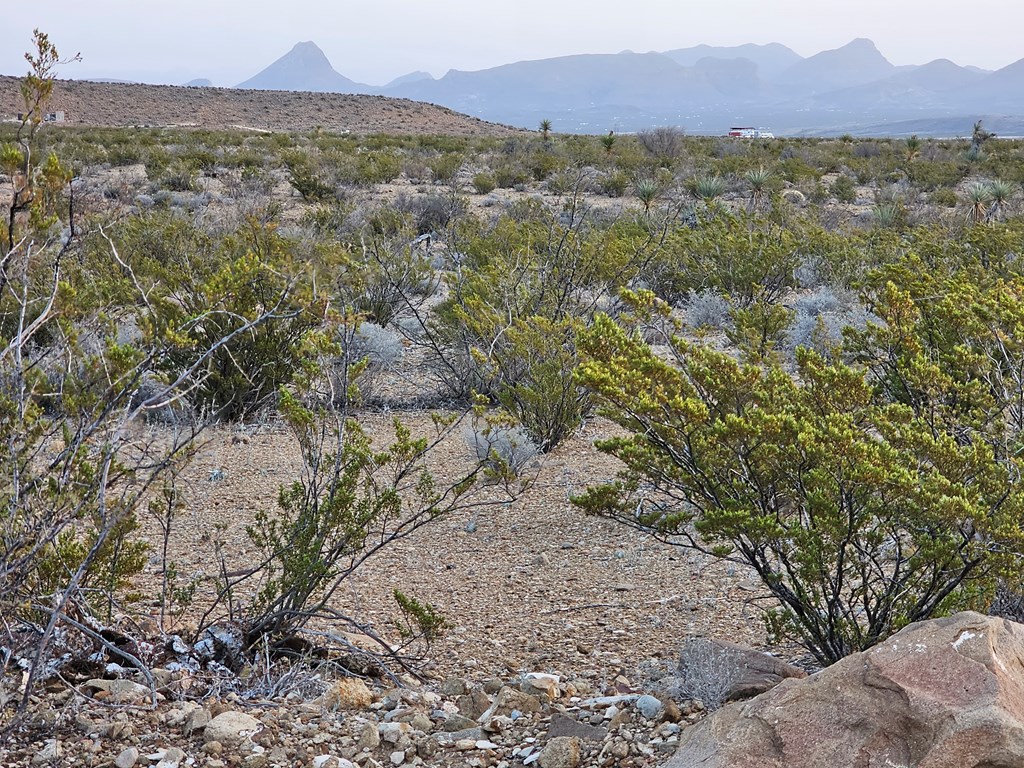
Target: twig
(134, 660)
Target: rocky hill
(122, 104)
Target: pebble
(649, 706)
(127, 758)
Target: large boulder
(946, 693)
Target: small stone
(120, 691)
(369, 737)
(51, 752)
(562, 752)
(197, 720)
(649, 706)
(456, 722)
(427, 748)
(171, 758)
(454, 686)
(394, 733)
(128, 758)
(347, 693)
(464, 745)
(397, 758)
(325, 761)
(537, 683)
(561, 725)
(422, 723)
(672, 712)
(231, 728)
(485, 744)
(509, 699)
(473, 705)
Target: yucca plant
(979, 195)
(887, 213)
(647, 191)
(1000, 193)
(707, 188)
(758, 179)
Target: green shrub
(843, 189)
(446, 167)
(854, 514)
(484, 183)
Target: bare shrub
(664, 143)
(708, 309)
(503, 447)
(370, 347)
(708, 671)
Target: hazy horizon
(228, 42)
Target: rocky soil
(552, 613)
(124, 104)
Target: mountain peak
(856, 63)
(304, 68)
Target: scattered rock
(127, 758)
(509, 700)
(473, 705)
(649, 706)
(197, 720)
(50, 753)
(562, 725)
(456, 722)
(369, 737)
(231, 728)
(943, 693)
(537, 683)
(349, 693)
(561, 752)
(119, 691)
(454, 686)
(171, 758)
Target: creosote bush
(855, 512)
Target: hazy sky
(227, 41)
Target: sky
(228, 41)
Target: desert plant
(708, 309)
(979, 197)
(444, 168)
(664, 144)
(484, 183)
(608, 142)
(647, 191)
(351, 501)
(759, 180)
(843, 189)
(913, 148)
(69, 396)
(1000, 193)
(707, 188)
(505, 447)
(708, 671)
(854, 514)
(614, 184)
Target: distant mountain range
(704, 89)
